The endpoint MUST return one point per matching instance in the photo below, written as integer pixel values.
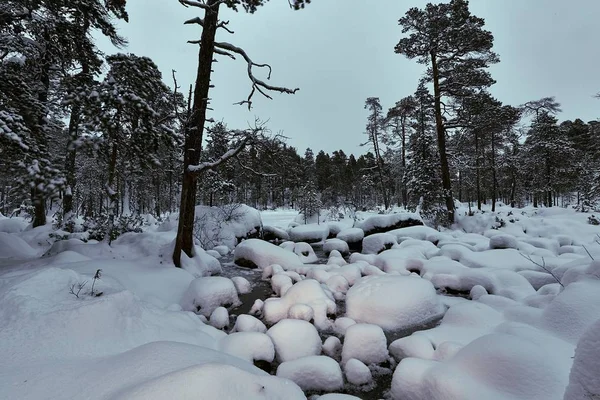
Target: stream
(261, 289)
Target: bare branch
(257, 84)
(217, 51)
(543, 266)
(200, 168)
(255, 172)
(223, 24)
(203, 6)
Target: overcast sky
(339, 52)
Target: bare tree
(194, 126)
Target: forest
(474, 214)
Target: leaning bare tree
(194, 125)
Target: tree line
(86, 134)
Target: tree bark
(441, 136)
(194, 130)
(477, 170)
(404, 191)
(494, 186)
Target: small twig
(97, 275)
(588, 253)
(80, 287)
(543, 266)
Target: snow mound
(313, 373)
(305, 252)
(202, 264)
(351, 235)
(12, 246)
(204, 295)
(310, 233)
(219, 318)
(294, 338)
(366, 343)
(384, 223)
(242, 285)
(378, 242)
(393, 302)
(503, 241)
(249, 346)
(357, 373)
(336, 244)
(256, 253)
(272, 233)
(12, 225)
(332, 347)
(228, 224)
(213, 381)
(496, 366)
(584, 380)
(415, 345)
(248, 323)
(308, 292)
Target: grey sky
(339, 52)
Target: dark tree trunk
(404, 191)
(494, 187)
(112, 192)
(477, 171)
(441, 136)
(194, 130)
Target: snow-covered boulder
(219, 318)
(228, 224)
(352, 236)
(584, 379)
(332, 347)
(242, 285)
(274, 234)
(415, 345)
(387, 222)
(503, 241)
(310, 233)
(256, 253)
(308, 292)
(366, 343)
(313, 373)
(294, 338)
(336, 244)
(12, 246)
(357, 373)
(248, 323)
(378, 242)
(393, 302)
(213, 381)
(204, 295)
(249, 346)
(341, 325)
(305, 252)
(301, 311)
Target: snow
(249, 346)
(336, 244)
(257, 253)
(378, 242)
(294, 339)
(382, 223)
(351, 235)
(219, 318)
(12, 246)
(274, 233)
(503, 241)
(248, 323)
(308, 292)
(225, 225)
(342, 324)
(310, 233)
(393, 302)
(214, 381)
(305, 252)
(366, 343)
(357, 373)
(204, 295)
(319, 373)
(415, 345)
(584, 378)
(301, 311)
(332, 347)
(12, 225)
(242, 285)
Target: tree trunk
(494, 187)
(111, 192)
(477, 171)
(194, 129)
(441, 136)
(404, 191)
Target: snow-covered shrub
(98, 226)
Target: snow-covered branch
(257, 84)
(201, 5)
(205, 166)
(200, 21)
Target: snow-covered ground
(504, 305)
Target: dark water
(382, 375)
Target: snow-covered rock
(242, 285)
(357, 373)
(415, 345)
(301, 311)
(294, 338)
(352, 236)
(305, 252)
(248, 323)
(313, 373)
(310, 233)
(503, 241)
(219, 318)
(366, 343)
(272, 233)
(228, 224)
(393, 302)
(341, 325)
(332, 347)
(388, 222)
(204, 295)
(378, 242)
(256, 253)
(308, 292)
(249, 346)
(584, 379)
(336, 244)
